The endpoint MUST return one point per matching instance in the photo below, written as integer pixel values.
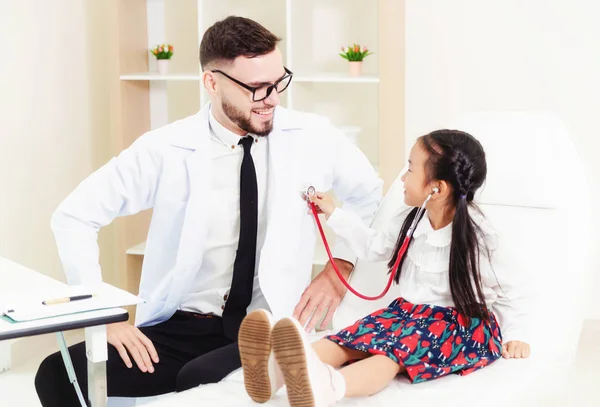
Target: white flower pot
(163, 66)
(355, 68)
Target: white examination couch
(537, 197)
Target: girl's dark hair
(235, 36)
(457, 158)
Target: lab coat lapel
(199, 170)
(283, 195)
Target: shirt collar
(227, 137)
(438, 238)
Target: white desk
(25, 280)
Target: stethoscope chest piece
(310, 191)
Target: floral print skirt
(429, 341)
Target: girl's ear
(441, 190)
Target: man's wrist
(344, 266)
(341, 252)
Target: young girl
(442, 323)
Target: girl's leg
(336, 355)
(369, 376)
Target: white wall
(55, 122)
(464, 55)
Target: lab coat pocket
(149, 313)
(166, 224)
(169, 211)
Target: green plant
(354, 52)
(162, 51)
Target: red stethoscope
(312, 191)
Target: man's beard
(243, 122)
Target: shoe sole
(288, 347)
(254, 341)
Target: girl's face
(416, 188)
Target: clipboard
(30, 308)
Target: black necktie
(240, 293)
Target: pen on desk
(67, 299)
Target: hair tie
(463, 196)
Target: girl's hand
(515, 350)
(324, 203)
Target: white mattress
(514, 382)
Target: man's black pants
(192, 350)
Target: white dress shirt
(211, 287)
(424, 277)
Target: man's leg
(209, 368)
(54, 389)
(177, 341)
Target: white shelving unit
(312, 32)
(336, 78)
(137, 250)
(155, 76)
(331, 78)
(320, 255)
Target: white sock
(278, 380)
(339, 383)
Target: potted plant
(355, 54)
(163, 53)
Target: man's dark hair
(235, 36)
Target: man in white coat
(230, 231)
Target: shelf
(319, 260)
(137, 250)
(334, 78)
(155, 76)
(317, 78)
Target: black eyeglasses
(262, 92)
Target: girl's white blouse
(424, 277)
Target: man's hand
(322, 296)
(129, 340)
(515, 350)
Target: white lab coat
(169, 169)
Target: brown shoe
(262, 376)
